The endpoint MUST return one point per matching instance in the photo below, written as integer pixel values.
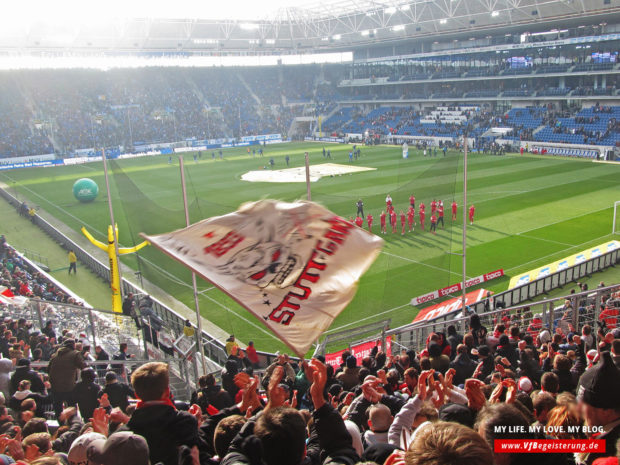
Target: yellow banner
(562, 264)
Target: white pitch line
(367, 318)
(419, 263)
(555, 253)
(545, 240)
(561, 221)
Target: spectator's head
(456, 413)
(514, 332)
(549, 382)
(474, 322)
(28, 405)
(151, 381)
(379, 418)
(345, 355)
(451, 330)
(36, 425)
(434, 350)
(562, 363)
(123, 448)
(543, 403)
(123, 347)
(597, 392)
(110, 377)
(251, 344)
(88, 375)
(586, 330)
(24, 385)
(411, 376)
(427, 412)
(225, 432)
(504, 340)
(69, 343)
(443, 443)
(282, 431)
(468, 340)
(615, 347)
(43, 441)
(561, 418)
(492, 420)
(351, 361)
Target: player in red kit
(412, 200)
(393, 221)
(433, 206)
(472, 210)
(382, 219)
(440, 215)
(454, 207)
(403, 222)
(433, 223)
(422, 214)
(369, 220)
(411, 218)
(388, 202)
(359, 222)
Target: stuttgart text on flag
(295, 266)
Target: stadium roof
(273, 26)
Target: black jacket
(118, 394)
(211, 395)
(165, 429)
(22, 373)
(87, 397)
(464, 368)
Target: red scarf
(149, 403)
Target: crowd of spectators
(19, 278)
(448, 404)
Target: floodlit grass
(529, 211)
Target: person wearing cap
(63, 369)
(78, 451)
(599, 402)
(23, 371)
(122, 448)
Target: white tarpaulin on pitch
(298, 174)
(293, 265)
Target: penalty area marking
(298, 174)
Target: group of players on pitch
(408, 219)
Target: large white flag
(293, 265)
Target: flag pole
(114, 232)
(308, 193)
(464, 298)
(196, 303)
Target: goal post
(616, 227)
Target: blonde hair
(444, 443)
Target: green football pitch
(530, 210)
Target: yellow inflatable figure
(115, 282)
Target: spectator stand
(592, 306)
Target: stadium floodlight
(337, 37)
(249, 26)
(400, 27)
(365, 33)
(443, 21)
(270, 41)
(390, 10)
(495, 13)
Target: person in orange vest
(369, 220)
(434, 224)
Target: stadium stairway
(538, 129)
(247, 86)
(196, 90)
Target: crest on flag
(293, 265)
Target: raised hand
(511, 390)
(319, 378)
(100, 421)
(423, 383)
(104, 401)
(475, 396)
(196, 411)
(241, 380)
(497, 393)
